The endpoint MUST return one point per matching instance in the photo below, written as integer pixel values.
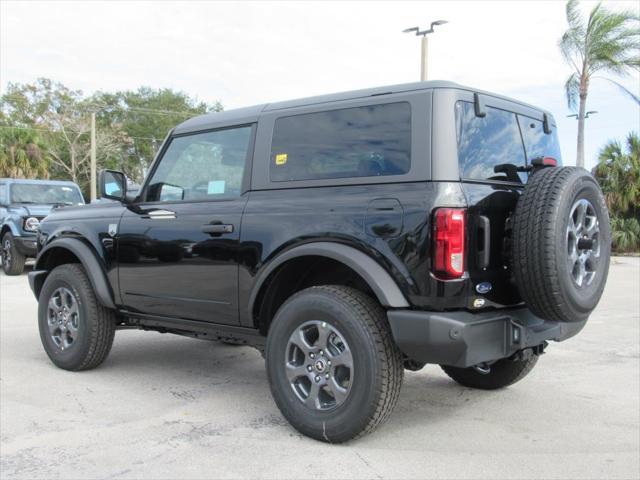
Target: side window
(367, 141)
(3, 194)
(201, 166)
(489, 147)
(536, 142)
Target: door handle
(217, 228)
(160, 214)
(484, 235)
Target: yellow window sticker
(281, 158)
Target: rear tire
(76, 331)
(503, 373)
(342, 325)
(12, 260)
(561, 244)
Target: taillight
(448, 242)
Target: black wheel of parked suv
(334, 370)
(561, 244)
(500, 374)
(12, 260)
(76, 331)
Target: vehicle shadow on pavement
(194, 370)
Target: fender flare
(383, 285)
(89, 261)
(10, 227)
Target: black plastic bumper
(464, 339)
(27, 246)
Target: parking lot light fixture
(424, 50)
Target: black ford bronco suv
(348, 237)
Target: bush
(625, 234)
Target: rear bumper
(463, 339)
(27, 246)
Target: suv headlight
(31, 224)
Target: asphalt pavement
(163, 406)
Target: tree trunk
(72, 153)
(581, 113)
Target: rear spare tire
(561, 244)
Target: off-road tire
(97, 324)
(377, 362)
(16, 264)
(541, 261)
(503, 373)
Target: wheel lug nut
(321, 352)
(312, 355)
(329, 362)
(309, 368)
(317, 378)
(327, 376)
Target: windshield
(45, 193)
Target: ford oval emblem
(484, 288)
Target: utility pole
(424, 54)
(93, 156)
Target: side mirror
(113, 185)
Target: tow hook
(529, 352)
(482, 368)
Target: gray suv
(23, 204)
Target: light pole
(586, 115)
(425, 45)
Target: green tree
(22, 154)
(62, 118)
(131, 125)
(146, 115)
(608, 42)
(618, 172)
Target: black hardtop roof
(250, 114)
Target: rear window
(494, 146)
(489, 147)
(369, 141)
(536, 142)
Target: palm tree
(618, 172)
(608, 42)
(22, 155)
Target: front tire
(76, 331)
(502, 373)
(334, 371)
(12, 259)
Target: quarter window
(202, 166)
(489, 147)
(369, 141)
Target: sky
(246, 53)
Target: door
(177, 249)
(494, 151)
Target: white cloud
(253, 52)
